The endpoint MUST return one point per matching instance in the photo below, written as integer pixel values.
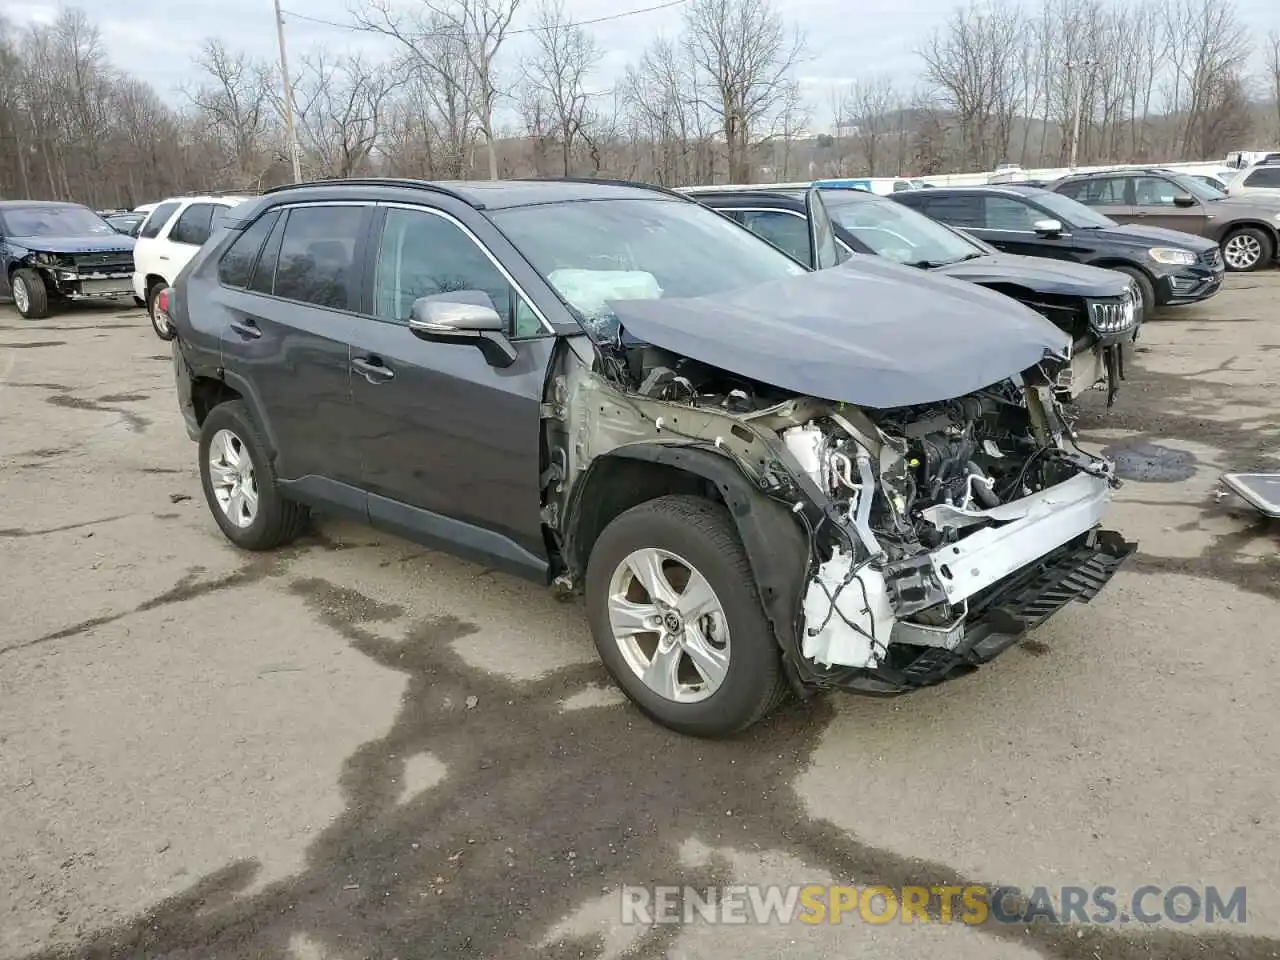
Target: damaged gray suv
(763, 478)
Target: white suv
(169, 238)
(1262, 180)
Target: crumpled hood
(868, 332)
(1144, 236)
(1040, 275)
(115, 243)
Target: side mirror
(1184, 200)
(1047, 228)
(464, 316)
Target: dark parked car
(55, 252)
(1100, 309)
(1169, 267)
(762, 477)
(1247, 227)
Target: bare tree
(1212, 48)
(473, 30)
(871, 109)
(556, 76)
(341, 106)
(1271, 53)
(236, 100)
(748, 56)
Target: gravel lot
(360, 748)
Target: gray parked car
(762, 477)
(1247, 228)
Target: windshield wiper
(935, 264)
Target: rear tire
(1247, 249)
(702, 535)
(158, 323)
(29, 294)
(274, 520)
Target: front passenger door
(450, 446)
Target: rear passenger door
(291, 284)
(450, 446)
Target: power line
(561, 26)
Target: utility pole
(1073, 67)
(288, 98)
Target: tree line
(721, 100)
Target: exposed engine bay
(914, 515)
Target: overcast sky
(157, 39)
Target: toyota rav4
(762, 477)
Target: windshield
(593, 251)
(1197, 188)
(1071, 212)
(899, 233)
(68, 221)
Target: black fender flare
(777, 546)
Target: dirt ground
(360, 748)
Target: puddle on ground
(1150, 462)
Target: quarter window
(193, 225)
(422, 254)
(155, 223)
(316, 262)
(236, 266)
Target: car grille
(1211, 258)
(116, 262)
(1113, 316)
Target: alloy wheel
(235, 486)
(21, 298)
(669, 625)
(1242, 251)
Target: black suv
(1098, 308)
(1247, 227)
(762, 477)
(52, 252)
(1169, 267)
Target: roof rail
(376, 182)
(613, 181)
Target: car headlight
(1172, 255)
(47, 260)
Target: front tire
(677, 619)
(1247, 249)
(29, 294)
(158, 322)
(1146, 289)
(240, 485)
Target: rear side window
(159, 217)
(960, 210)
(1264, 177)
(236, 266)
(317, 256)
(193, 225)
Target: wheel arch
(1235, 226)
(776, 546)
(209, 391)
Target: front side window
(236, 266)
(317, 256)
(54, 220)
(1070, 212)
(156, 221)
(786, 231)
(1006, 213)
(422, 254)
(593, 251)
(193, 225)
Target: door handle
(162, 257)
(374, 370)
(246, 328)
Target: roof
(28, 204)
(980, 188)
(500, 194)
